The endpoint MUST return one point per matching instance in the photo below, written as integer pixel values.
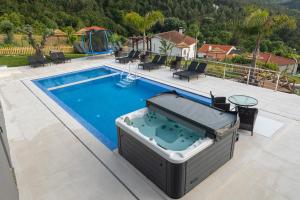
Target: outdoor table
(243, 100)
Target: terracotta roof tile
(177, 38)
(215, 47)
(271, 58)
(85, 29)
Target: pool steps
(128, 81)
(82, 81)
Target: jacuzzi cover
(185, 110)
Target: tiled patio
(56, 158)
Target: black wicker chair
(219, 102)
(247, 118)
(36, 61)
(222, 106)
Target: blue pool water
(96, 104)
(74, 77)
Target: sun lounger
(176, 64)
(192, 72)
(130, 55)
(158, 64)
(154, 60)
(135, 56)
(201, 68)
(189, 72)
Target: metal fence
(260, 77)
(265, 78)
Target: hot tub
(176, 142)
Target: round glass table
(243, 100)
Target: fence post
(248, 76)
(224, 72)
(277, 82)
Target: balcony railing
(265, 78)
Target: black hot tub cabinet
(176, 173)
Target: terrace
(55, 157)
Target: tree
(38, 46)
(143, 23)
(173, 23)
(70, 35)
(166, 47)
(8, 28)
(115, 38)
(261, 24)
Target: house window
(184, 52)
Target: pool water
(97, 104)
(167, 133)
(74, 77)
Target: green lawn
(15, 61)
(297, 78)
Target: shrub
(240, 59)
(270, 66)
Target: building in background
(184, 46)
(216, 51)
(284, 64)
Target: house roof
(215, 48)
(180, 40)
(182, 45)
(271, 58)
(59, 33)
(90, 28)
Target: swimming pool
(97, 103)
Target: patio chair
(176, 64)
(219, 102)
(54, 58)
(189, 73)
(154, 60)
(61, 56)
(32, 61)
(36, 61)
(41, 60)
(158, 64)
(222, 106)
(247, 118)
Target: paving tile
(51, 163)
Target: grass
(13, 61)
(17, 60)
(297, 78)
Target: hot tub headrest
(184, 110)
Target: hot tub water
(167, 133)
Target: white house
(184, 46)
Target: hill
(219, 19)
(294, 4)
